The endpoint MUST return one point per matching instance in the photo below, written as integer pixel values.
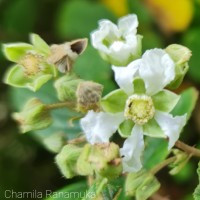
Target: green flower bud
(180, 55)
(83, 165)
(66, 87)
(105, 160)
(34, 116)
(141, 185)
(88, 96)
(181, 160)
(55, 142)
(67, 160)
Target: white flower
(143, 108)
(118, 44)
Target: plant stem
(188, 149)
(77, 140)
(60, 105)
(161, 165)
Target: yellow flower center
(139, 108)
(31, 63)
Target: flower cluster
(142, 105)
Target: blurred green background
(25, 165)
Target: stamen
(139, 108)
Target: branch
(188, 149)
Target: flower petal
(171, 126)
(157, 70)
(124, 76)
(128, 24)
(103, 37)
(99, 127)
(132, 150)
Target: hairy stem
(163, 164)
(77, 140)
(188, 149)
(60, 105)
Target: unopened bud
(141, 185)
(83, 165)
(105, 160)
(180, 55)
(55, 142)
(33, 117)
(181, 160)
(66, 87)
(88, 96)
(67, 160)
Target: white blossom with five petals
(118, 44)
(148, 112)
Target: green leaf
(78, 18)
(196, 193)
(191, 40)
(115, 101)
(165, 100)
(40, 44)
(14, 52)
(186, 103)
(155, 151)
(152, 129)
(70, 192)
(20, 16)
(125, 128)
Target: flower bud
(55, 142)
(33, 117)
(180, 55)
(88, 96)
(66, 87)
(83, 165)
(67, 160)
(141, 185)
(181, 160)
(105, 160)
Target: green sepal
(14, 52)
(152, 129)
(67, 160)
(39, 44)
(115, 101)
(34, 116)
(49, 69)
(15, 76)
(55, 142)
(165, 100)
(139, 86)
(125, 128)
(84, 167)
(141, 184)
(66, 87)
